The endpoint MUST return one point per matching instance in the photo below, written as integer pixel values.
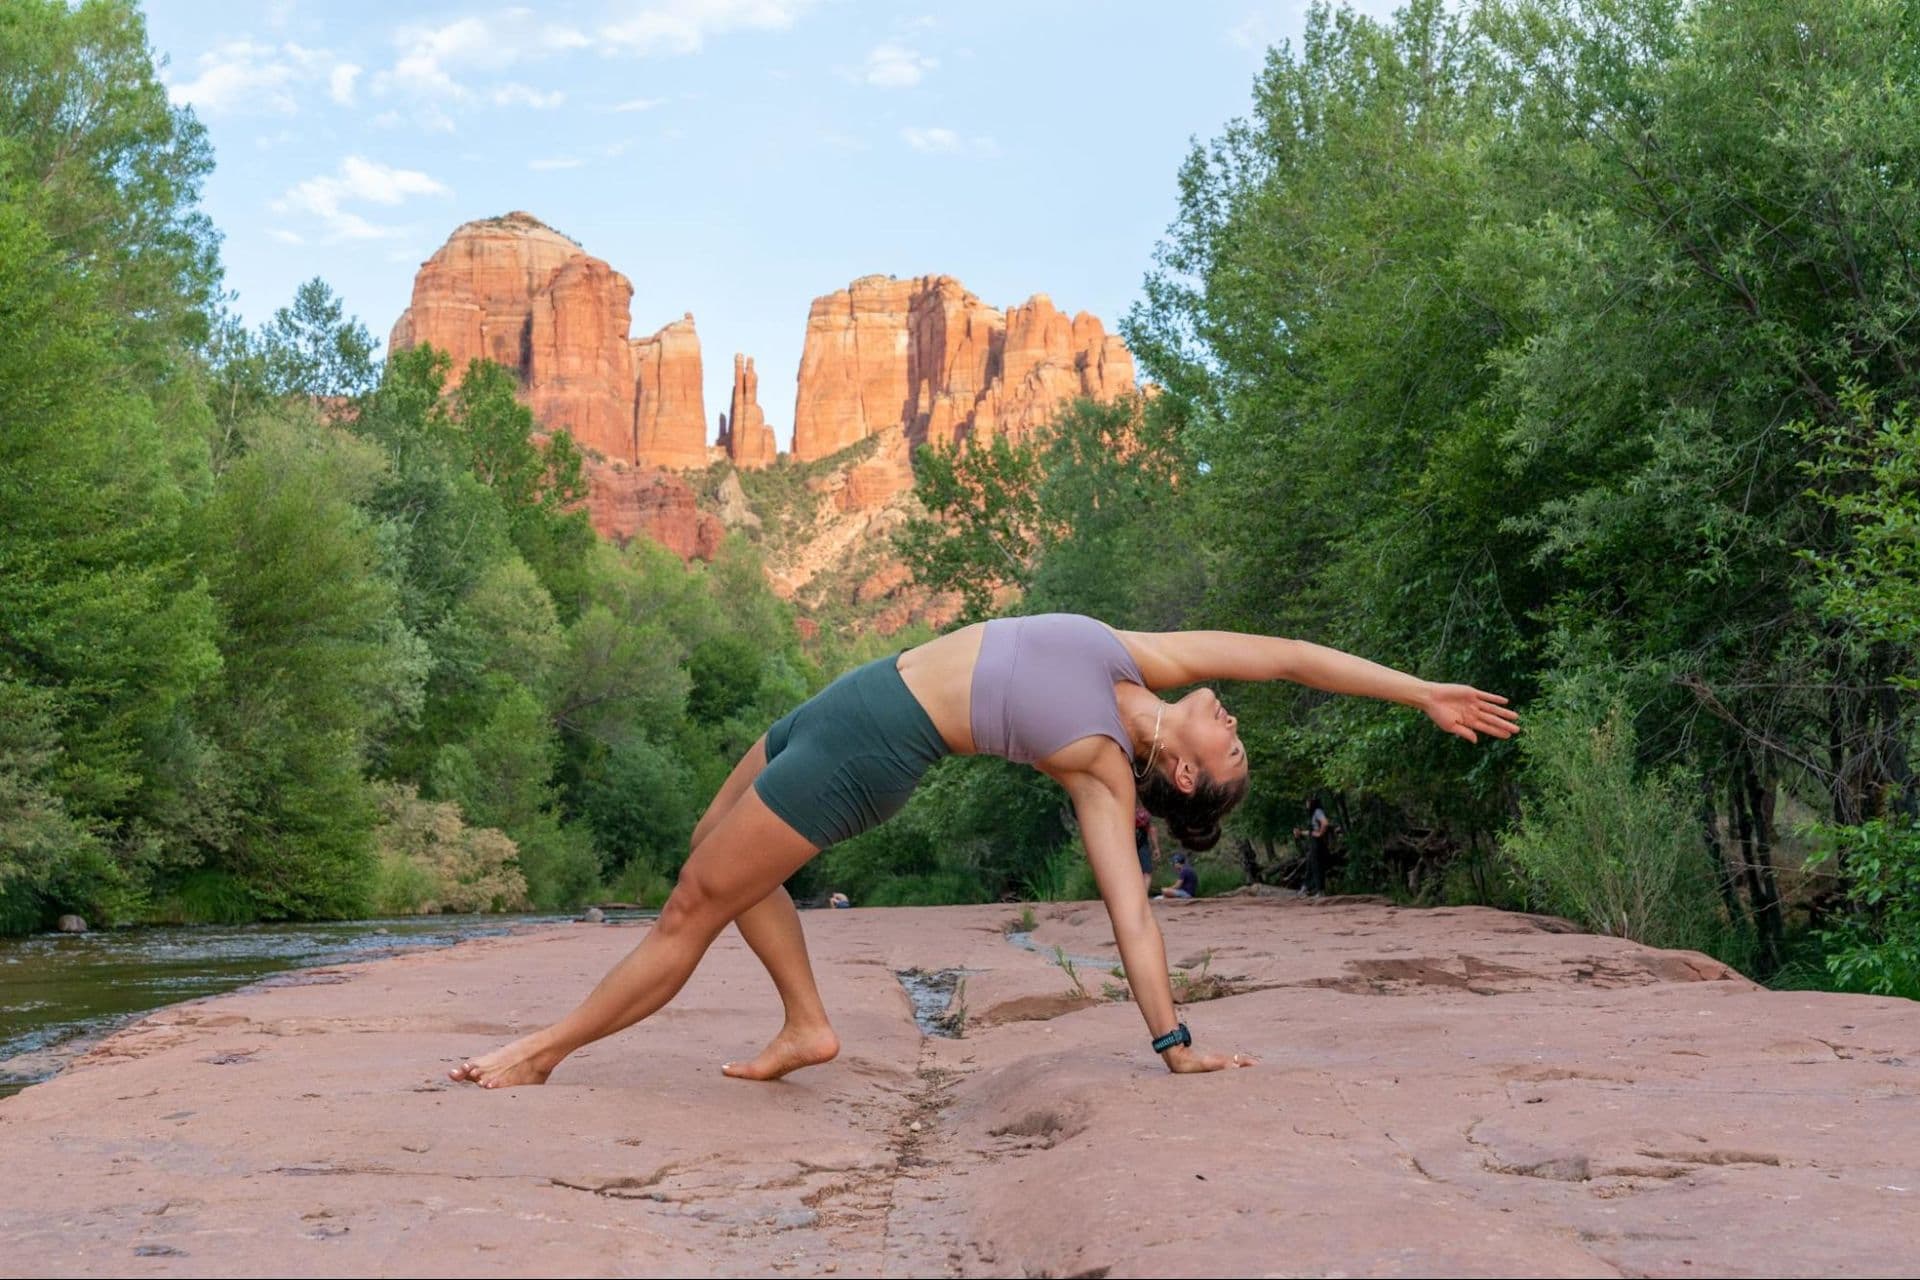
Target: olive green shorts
(847, 759)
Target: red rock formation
(578, 372)
(853, 367)
(744, 432)
(1047, 362)
(670, 401)
(871, 482)
(515, 291)
(928, 356)
(624, 502)
(474, 298)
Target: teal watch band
(1179, 1035)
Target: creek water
(59, 993)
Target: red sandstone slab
(1442, 1092)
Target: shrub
(641, 883)
(1875, 947)
(431, 860)
(1607, 845)
(1063, 876)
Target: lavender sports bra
(1042, 682)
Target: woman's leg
(772, 928)
(743, 858)
(744, 772)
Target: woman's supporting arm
(1106, 827)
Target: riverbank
(62, 993)
(1453, 1091)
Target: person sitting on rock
(1067, 694)
(1187, 883)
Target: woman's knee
(693, 905)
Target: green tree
(312, 348)
(981, 529)
(503, 776)
(315, 656)
(105, 631)
(539, 483)
(91, 149)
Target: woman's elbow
(1132, 919)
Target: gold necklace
(1148, 768)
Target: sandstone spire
(670, 403)
(744, 432)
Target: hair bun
(1198, 839)
(1193, 818)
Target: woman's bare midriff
(939, 674)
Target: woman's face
(1208, 736)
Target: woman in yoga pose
(1066, 694)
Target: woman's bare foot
(521, 1062)
(789, 1051)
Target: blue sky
(734, 158)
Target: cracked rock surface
(1455, 1091)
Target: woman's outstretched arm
(1169, 659)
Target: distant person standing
(1188, 884)
(1146, 844)
(1316, 832)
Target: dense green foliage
(286, 633)
(1561, 347)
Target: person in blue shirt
(1188, 883)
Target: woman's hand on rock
(1182, 1060)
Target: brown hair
(1192, 817)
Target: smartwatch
(1179, 1035)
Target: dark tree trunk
(1717, 855)
(1752, 804)
(1249, 861)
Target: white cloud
(426, 53)
(239, 74)
(431, 58)
(894, 66)
(519, 95)
(285, 236)
(427, 118)
(938, 141)
(340, 83)
(683, 26)
(638, 104)
(245, 76)
(931, 139)
(358, 181)
(551, 163)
